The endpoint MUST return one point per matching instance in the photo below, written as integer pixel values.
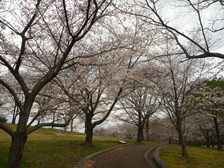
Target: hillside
(54, 148)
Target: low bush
(3, 119)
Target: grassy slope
(46, 148)
(198, 157)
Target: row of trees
(69, 59)
(199, 130)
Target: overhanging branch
(46, 124)
(7, 129)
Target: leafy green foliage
(216, 88)
(208, 97)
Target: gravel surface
(131, 156)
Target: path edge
(157, 159)
(152, 165)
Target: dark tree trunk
(15, 114)
(71, 125)
(13, 120)
(140, 136)
(170, 140)
(217, 133)
(89, 138)
(20, 136)
(53, 120)
(89, 130)
(207, 139)
(181, 138)
(16, 150)
(212, 140)
(147, 129)
(183, 144)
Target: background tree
(120, 130)
(217, 86)
(139, 106)
(173, 86)
(162, 130)
(209, 99)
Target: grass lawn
(47, 148)
(198, 157)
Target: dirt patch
(88, 164)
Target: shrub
(3, 119)
(193, 143)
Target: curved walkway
(129, 156)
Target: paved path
(131, 156)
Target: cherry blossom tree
(100, 81)
(173, 81)
(124, 130)
(94, 86)
(162, 130)
(139, 106)
(37, 36)
(209, 99)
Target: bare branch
(7, 129)
(32, 129)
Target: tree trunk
(183, 144)
(170, 140)
(207, 139)
(15, 113)
(71, 125)
(181, 138)
(88, 130)
(53, 120)
(147, 129)
(38, 121)
(13, 120)
(16, 150)
(217, 133)
(212, 140)
(89, 138)
(140, 135)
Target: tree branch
(110, 109)
(7, 129)
(16, 98)
(46, 124)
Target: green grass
(198, 157)
(47, 148)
